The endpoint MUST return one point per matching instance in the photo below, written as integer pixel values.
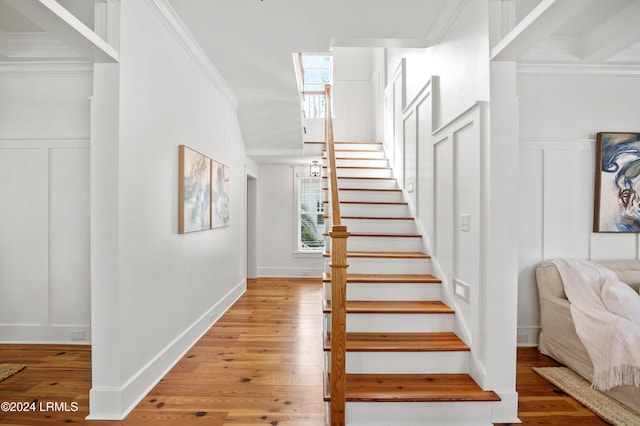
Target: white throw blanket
(612, 342)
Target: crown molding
(578, 70)
(172, 21)
(49, 69)
(39, 46)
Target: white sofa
(558, 338)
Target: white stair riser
(398, 323)
(382, 244)
(369, 162)
(404, 362)
(357, 172)
(388, 266)
(374, 210)
(372, 225)
(367, 183)
(341, 153)
(390, 292)
(358, 147)
(418, 414)
(371, 196)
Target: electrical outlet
(77, 336)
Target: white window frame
(298, 250)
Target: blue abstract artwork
(195, 191)
(617, 197)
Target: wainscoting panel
(556, 205)
(45, 273)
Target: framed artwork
(617, 183)
(219, 194)
(194, 191)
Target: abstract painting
(194, 191)
(219, 195)
(617, 192)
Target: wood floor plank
(185, 398)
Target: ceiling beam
(613, 35)
(62, 24)
(543, 20)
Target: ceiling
(251, 42)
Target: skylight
(316, 72)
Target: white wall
(561, 110)
(44, 187)
(277, 233)
(167, 288)
(446, 155)
(352, 102)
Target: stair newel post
(338, 378)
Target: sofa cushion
(621, 299)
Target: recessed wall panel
(69, 236)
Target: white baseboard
(528, 335)
(290, 272)
(114, 403)
(45, 334)
(506, 411)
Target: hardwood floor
(261, 364)
(541, 403)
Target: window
(310, 214)
(316, 72)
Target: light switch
(464, 222)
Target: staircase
(404, 363)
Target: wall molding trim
(44, 334)
(34, 45)
(574, 144)
(289, 272)
(45, 68)
(577, 70)
(44, 143)
(174, 24)
(114, 403)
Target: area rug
(8, 370)
(579, 389)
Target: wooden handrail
(338, 235)
(334, 201)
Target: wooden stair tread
(364, 177)
(357, 143)
(387, 278)
(391, 203)
(413, 388)
(358, 158)
(374, 218)
(367, 189)
(368, 234)
(444, 341)
(362, 167)
(385, 255)
(392, 307)
(353, 150)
